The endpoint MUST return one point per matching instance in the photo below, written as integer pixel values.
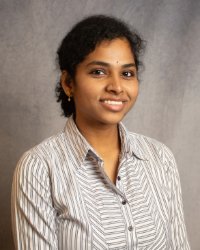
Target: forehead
(118, 49)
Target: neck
(103, 138)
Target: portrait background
(168, 107)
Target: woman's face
(105, 86)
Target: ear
(66, 83)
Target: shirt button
(130, 228)
(123, 202)
(118, 178)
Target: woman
(95, 185)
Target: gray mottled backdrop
(168, 106)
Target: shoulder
(40, 157)
(49, 147)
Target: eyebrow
(101, 63)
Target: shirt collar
(77, 143)
(131, 143)
(80, 147)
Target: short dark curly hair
(82, 40)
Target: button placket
(124, 202)
(119, 183)
(126, 210)
(130, 228)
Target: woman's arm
(33, 214)
(179, 240)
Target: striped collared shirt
(62, 198)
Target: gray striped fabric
(62, 199)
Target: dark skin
(104, 89)
(107, 143)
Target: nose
(114, 85)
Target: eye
(128, 74)
(97, 72)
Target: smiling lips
(113, 102)
(113, 105)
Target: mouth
(110, 102)
(113, 105)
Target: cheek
(84, 95)
(133, 91)
(137, 91)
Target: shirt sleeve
(179, 240)
(33, 214)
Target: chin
(112, 119)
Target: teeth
(113, 102)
